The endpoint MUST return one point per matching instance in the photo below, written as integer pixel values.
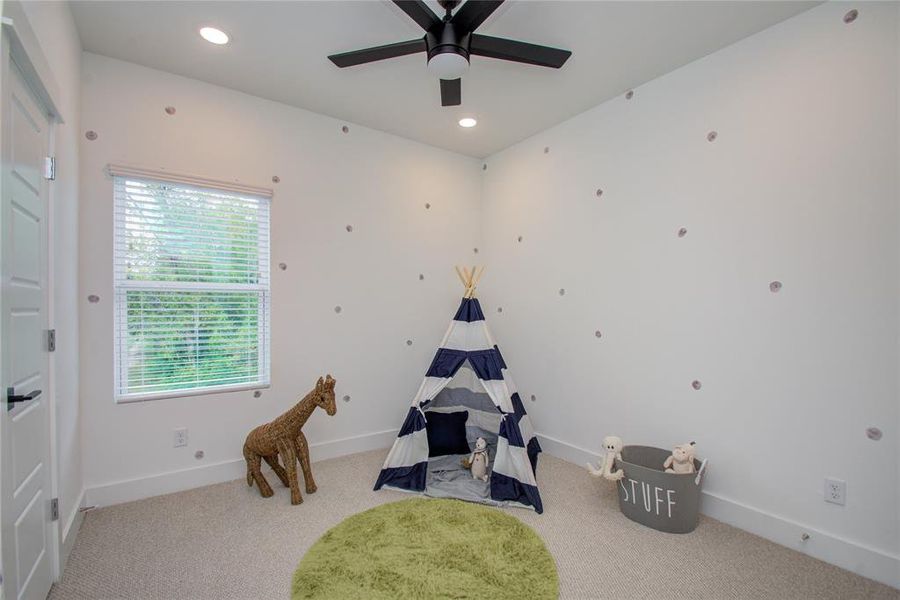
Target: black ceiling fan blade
(473, 13)
(419, 12)
(451, 92)
(367, 55)
(523, 52)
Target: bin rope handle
(700, 471)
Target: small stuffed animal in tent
(478, 461)
(681, 460)
(612, 445)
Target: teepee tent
(468, 374)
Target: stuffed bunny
(612, 445)
(681, 460)
(478, 461)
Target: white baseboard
(844, 553)
(566, 451)
(352, 445)
(71, 526)
(128, 490)
(860, 559)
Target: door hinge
(50, 168)
(54, 509)
(51, 340)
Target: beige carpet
(224, 542)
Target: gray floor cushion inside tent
(447, 478)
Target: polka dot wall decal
(421, 277)
(598, 334)
(276, 179)
(562, 291)
(475, 250)
(199, 454)
(170, 110)
(338, 309)
(345, 129)
(349, 228)
(851, 16)
(775, 287)
(427, 205)
(873, 433)
(696, 384)
(546, 149)
(499, 309)
(93, 298)
(629, 94)
(282, 266)
(91, 135)
(682, 232)
(257, 394)
(409, 342)
(533, 398)
(347, 398)
(519, 239)
(484, 167)
(599, 192)
(711, 136)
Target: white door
(24, 419)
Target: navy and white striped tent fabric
(468, 342)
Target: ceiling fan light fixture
(214, 36)
(468, 122)
(448, 65)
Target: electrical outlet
(835, 491)
(180, 437)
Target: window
(191, 288)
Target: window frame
(122, 285)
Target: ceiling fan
(450, 41)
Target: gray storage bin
(667, 502)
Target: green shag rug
(428, 548)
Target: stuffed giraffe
(284, 437)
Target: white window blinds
(191, 289)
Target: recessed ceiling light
(467, 122)
(213, 35)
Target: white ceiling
(278, 51)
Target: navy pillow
(446, 433)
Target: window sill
(222, 389)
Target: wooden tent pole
(478, 277)
(469, 279)
(461, 278)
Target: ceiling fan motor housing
(443, 39)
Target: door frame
(19, 45)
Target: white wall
(375, 182)
(800, 186)
(55, 30)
